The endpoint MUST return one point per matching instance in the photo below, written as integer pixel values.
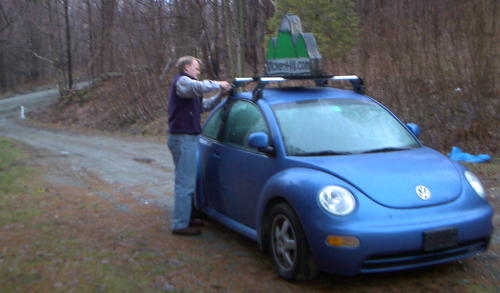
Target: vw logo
(423, 192)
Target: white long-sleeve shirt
(192, 88)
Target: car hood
(391, 178)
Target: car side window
(244, 118)
(211, 129)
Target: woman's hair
(185, 60)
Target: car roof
(295, 94)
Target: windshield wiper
(386, 149)
(323, 153)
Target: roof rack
(322, 81)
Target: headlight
(475, 183)
(337, 200)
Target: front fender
(299, 187)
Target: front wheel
(288, 245)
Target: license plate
(440, 239)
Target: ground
(82, 211)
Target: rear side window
(244, 118)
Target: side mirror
(260, 141)
(414, 128)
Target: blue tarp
(457, 155)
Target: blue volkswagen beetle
(330, 180)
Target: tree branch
(52, 62)
(165, 69)
(4, 16)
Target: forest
(434, 63)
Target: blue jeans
(184, 150)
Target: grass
(13, 176)
(44, 238)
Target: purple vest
(183, 113)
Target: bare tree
(91, 41)
(67, 30)
(4, 18)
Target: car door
(208, 162)
(240, 171)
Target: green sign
(292, 52)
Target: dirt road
(139, 169)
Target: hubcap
(284, 242)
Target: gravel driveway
(136, 166)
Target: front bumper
(395, 240)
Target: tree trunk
(228, 36)
(216, 57)
(240, 39)
(55, 45)
(3, 83)
(68, 46)
(90, 24)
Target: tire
(288, 245)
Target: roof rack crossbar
(242, 80)
(262, 81)
(344, 77)
(356, 82)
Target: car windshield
(340, 126)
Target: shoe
(195, 222)
(188, 231)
